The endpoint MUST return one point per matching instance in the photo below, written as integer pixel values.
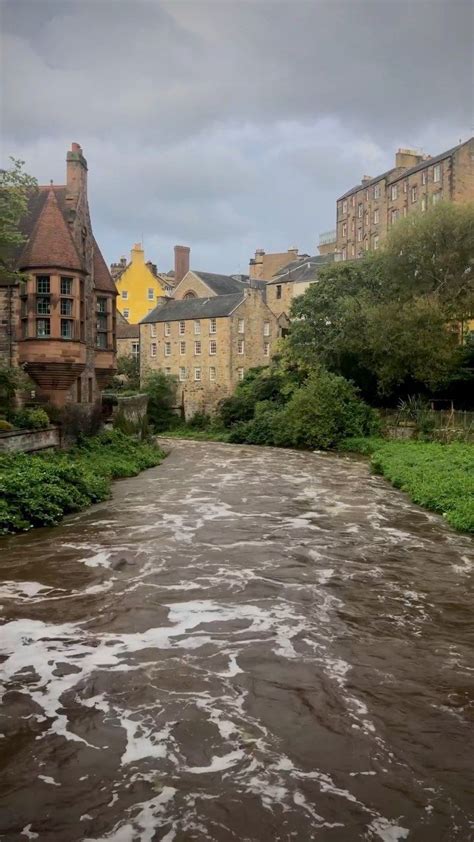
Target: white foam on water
(48, 780)
(142, 826)
(387, 831)
(29, 833)
(21, 590)
(217, 764)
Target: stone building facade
(293, 281)
(263, 266)
(59, 322)
(416, 183)
(128, 338)
(207, 344)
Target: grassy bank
(437, 476)
(39, 489)
(187, 431)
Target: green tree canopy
(15, 188)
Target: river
(242, 644)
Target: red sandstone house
(59, 324)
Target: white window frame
(266, 328)
(182, 327)
(182, 374)
(168, 371)
(152, 331)
(376, 216)
(197, 327)
(213, 343)
(344, 229)
(126, 313)
(359, 235)
(197, 375)
(344, 206)
(167, 349)
(241, 347)
(135, 350)
(424, 177)
(423, 203)
(377, 191)
(436, 173)
(266, 349)
(360, 210)
(152, 349)
(151, 294)
(394, 192)
(124, 294)
(197, 350)
(212, 373)
(212, 325)
(241, 325)
(414, 194)
(344, 254)
(167, 329)
(435, 198)
(240, 373)
(376, 243)
(182, 348)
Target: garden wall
(27, 441)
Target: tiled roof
(194, 308)
(126, 331)
(49, 239)
(220, 284)
(102, 278)
(302, 270)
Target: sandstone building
(208, 343)
(416, 183)
(263, 266)
(59, 322)
(128, 338)
(293, 280)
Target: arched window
(190, 294)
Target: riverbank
(439, 477)
(40, 489)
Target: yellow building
(139, 286)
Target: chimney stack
(76, 170)
(181, 262)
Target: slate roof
(103, 280)
(220, 284)
(194, 308)
(367, 183)
(302, 270)
(126, 331)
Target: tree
(15, 188)
(161, 391)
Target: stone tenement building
(293, 281)
(416, 183)
(128, 338)
(264, 266)
(59, 323)
(139, 285)
(208, 343)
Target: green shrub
(5, 426)
(39, 489)
(161, 391)
(30, 419)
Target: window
(212, 326)
(266, 328)
(66, 286)
(197, 347)
(167, 349)
(167, 328)
(197, 327)
(182, 373)
(344, 206)
(43, 327)
(240, 346)
(66, 307)
(437, 173)
(376, 243)
(366, 218)
(101, 340)
(101, 323)
(182, 328)
(153, 331)
(360, 210)
(278, 291)
(212, 374)
(42, 284)
(414, 194)
(394, 192)
(101, 305)
(197, 374)
(436, 198)
(43, 306)
(266, 349)
(153, 349)
(353, 251)
(344, 229)
(353, 201)
(168, 372)
(423, 203)
(395, 215)
(405, 186)
(241, 326)
(376, 216)
(424, 177)
(189, 294)
(359, 235)
(182, 348)
(367, 195)
(135, 350)
(377, 191)
(126, 314)
(124, 294)
(344, 254)
(66, 328)
(151, 294)
(240, 373)
(213, 347)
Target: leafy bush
(5, 426)
(200, 421)
(30, 419)
(161, 391)
(438, 476)
(39, 489)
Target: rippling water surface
(244, 644)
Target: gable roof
(127, 331)
(220, 284)
(50, 242)
(102, 277)
(302, 270)
(173, 310)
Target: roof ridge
(50, 205)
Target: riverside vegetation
(39, 489)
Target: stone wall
(27, 441)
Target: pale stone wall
(191, 283)
(264, 266)
(125, 346)
(27, 441)
(279, 297)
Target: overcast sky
(229, 125)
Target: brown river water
(242, 644)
